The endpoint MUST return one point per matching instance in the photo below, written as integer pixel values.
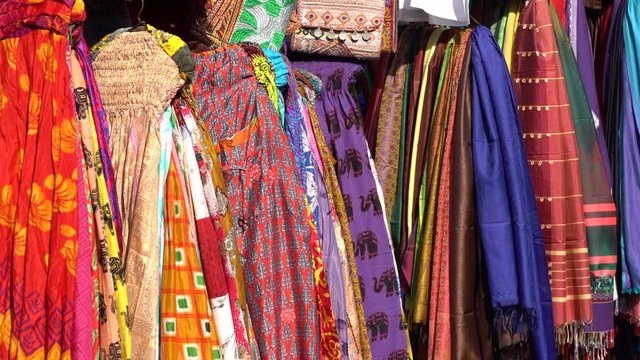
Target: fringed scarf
(507, 217)
(599, 209)
(552, 149)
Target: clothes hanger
(141, 25)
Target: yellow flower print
(67, 231)
(40, 211)
(7, 207)
(69, 253)
(64, 138)
(19, 240)
(65, 193)
(35, 106)
(10, 48)
(48, 60)
(3, 99)
(24, 82)
(54, 105)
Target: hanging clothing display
(229, 180)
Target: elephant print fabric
(341, 122)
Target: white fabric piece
(437, 12)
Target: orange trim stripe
(605, 259)
(605, 272)
(608, 221)
(599, 207)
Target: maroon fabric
(552, 151)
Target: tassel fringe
(574, 339)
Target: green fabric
(396, 213)
(426, 182)
(601, 240)
(263, 22)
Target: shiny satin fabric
(470, 323)
(554, 165)
(599, 209)
(422, 287)
(413, 93)
(435, 71)
(389, 125)
(440, 311)
(415, 157)
(631, 264)
(508, 223)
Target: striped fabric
(552, 151)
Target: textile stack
(279, 179)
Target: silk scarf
(631, 239)
(509, 228)
(470, 325)
(599, 209)
(547, 127)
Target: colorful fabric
(425, 258)
(221, 17)
(102, 129)
(584, 54)
(360, 348)
(470, 322)
(257, 165)
(83, 346)
(341, 122)
(359, 29)
(299, 142)
(218, 204)
(208, 239)
(263, 22)
(631, 260)
(508, 223)
(187, 326)
(440, 306)
(554, 163)
(389, 124)
(135, 93)
(599, 209)
(328, 230)
(110, 338)
(415, 156)
(38, 199)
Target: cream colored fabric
(137, 81)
